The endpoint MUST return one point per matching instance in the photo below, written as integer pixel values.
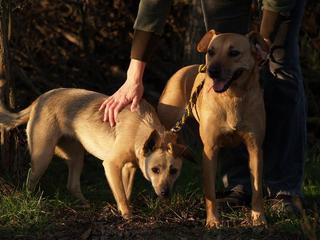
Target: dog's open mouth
(221, 85)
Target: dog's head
(163, 161)
(231, 57)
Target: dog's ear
(179, 150)
(152, 142)
(205, 40)
(259, 46)
(176, 149)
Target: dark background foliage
(87, 44)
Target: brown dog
(229, 108)
(67, 122)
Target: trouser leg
(226, 15)
(284, 145)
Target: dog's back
(176, 95)
(74, 113)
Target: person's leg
(284, 145)
(234, 169)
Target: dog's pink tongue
(218, 86)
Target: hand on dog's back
(129, 93)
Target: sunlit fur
(67, 122)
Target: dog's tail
(11, 120)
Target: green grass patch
(23, 212)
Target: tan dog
(67, 122)
(229, 108)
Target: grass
(51, 213)
(23, 212)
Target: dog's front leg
(113, 174)
(209, 178)
(128, 173)
(255, 165)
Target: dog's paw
(127, 215)
(213, 223)
(82, 203)
(258, 219)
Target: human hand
(130, 92)
(274, 29)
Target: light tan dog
(67, 122)
(229, 108)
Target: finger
(134, 104)
(105, 103)
(106, 110)
(111, 115)
(118, 109)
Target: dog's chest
(233, 113)
(232, 123)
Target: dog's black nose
(215, 71)
(165, 192)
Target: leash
(264, 61)
(191, 103)
(265, 56)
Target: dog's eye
(155, 170)
(234, 53)
(211, 52)
(173, 171)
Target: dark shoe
(233, 199)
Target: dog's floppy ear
(152, 142)
(205, 40)
(259, 46)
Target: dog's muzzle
(164, 192)
(220, 84)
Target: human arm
(278, 6)
(272, 10)
(148, 26)
(275, 24)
